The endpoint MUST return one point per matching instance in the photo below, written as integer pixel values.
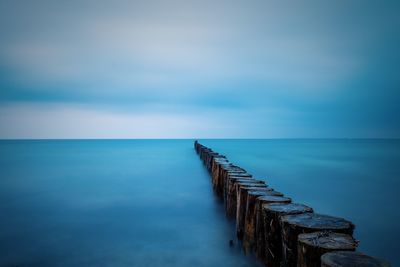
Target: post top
(317, 221)
(350, 259)
(288, 208)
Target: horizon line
(208, 138)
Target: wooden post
(283, 234)
(217, 171)
(235, 176)
(312, 246)
(225, 180)
(243, 189)
(255, 199)
(230, 194)
(204, 152)
(226, 173)
(210, 159)
(216, 176)
(215, 165)
(218, 182)
(269, 243)
(214, 157)
(293, 225)
(350, 259)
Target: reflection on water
(150, 203)
(355, 179)
(110, 203)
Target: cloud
(63, 121)
(159, 51)
(49, 120)
(229, 57)
(70, 121)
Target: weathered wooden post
(231, 193)
(224, 170)
(236, 171)
(241, 188)
(254, 202)
(217, 170)
(216, 163)
(260, 201)
(229, 177)
(293, 225)
(247, 199)
(216, 176)
(269, 242)
(204, 152)
(350, 259)
(211, 159)
(241, 196)
(312, 246)
(283, 234)
(229, 184)
(208, 160)
(198, 148)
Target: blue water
(355, 179)
(150, 202)
(110, 203)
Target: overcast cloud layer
(183, 69)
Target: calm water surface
(355, 179)
(150, 203)
(110, 203)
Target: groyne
(278, 231)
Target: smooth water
(355, 179)
(110, 203)
(150, 202)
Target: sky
(199, 69)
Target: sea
(151, 203)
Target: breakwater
(278, 231)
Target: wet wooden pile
(279, 232)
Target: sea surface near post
(150, 202)
(357, 179)
(110, 203)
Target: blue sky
(199, 69)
